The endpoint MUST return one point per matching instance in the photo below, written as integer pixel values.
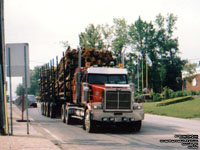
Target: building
(194, 85)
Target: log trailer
(88, 89)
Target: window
(107, 79)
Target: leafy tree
(107, 35)
(20, 90)
(142, 41)
(34, 87)
(34, 76)
(170, 63)
(92, 37)
(120, 37)
(189, 71)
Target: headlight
(137, 107)
(97, 106)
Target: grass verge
(186, 109)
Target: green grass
(187, 109)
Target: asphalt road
(154, 129)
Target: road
(154, 129)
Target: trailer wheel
(63, 113)
(42, 109)
(51, 111)
(89, 124)
(138, 125)
(47, 110)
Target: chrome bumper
(100, 115)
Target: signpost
(18, 66)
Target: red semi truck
(98, 95)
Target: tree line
(149, 50)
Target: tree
(170, 63)
(120, 37)
(34, 87)
(189, 71)
(92, 37)
(107, 35)
(142, 41)
(34, 76)
(20, 90)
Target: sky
(45, 23)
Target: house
(194, 83)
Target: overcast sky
(44, 23)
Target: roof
(104, 70)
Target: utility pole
(3, 123)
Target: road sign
(17, 62)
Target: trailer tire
(51, 111)
(47, 110)
(89, 124)
(63, 113)
(42, 109)
(45, 107)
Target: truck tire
(42, 109)
(45, 107)
(47, 110)
(89, 124)
(138, 125)
(51, 111)
(63, 113)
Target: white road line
(54, 136)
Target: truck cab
(106, 97)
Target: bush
(155, 96)
(192, 92)
(166, 93)
(198, 93)
(173, 100)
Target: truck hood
(100, 86)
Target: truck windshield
(107, 79)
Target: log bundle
(52, 79)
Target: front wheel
(68, 117)
(138, 125)
(89, 124)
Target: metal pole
(2, 97)
(142, 74)
(146, 74)
(10, 81)
(25, 83)
(138, 74)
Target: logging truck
(89, 89)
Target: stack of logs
(52, 78)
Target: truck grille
(118, 100)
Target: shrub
(198, 92)
(155, 96)
(167, 92)
(173, 100)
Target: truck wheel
(89, 124)
(138, 125)
(51, 111)
(47, 110)
(63, 113)
(42, 109)
(68, 117)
